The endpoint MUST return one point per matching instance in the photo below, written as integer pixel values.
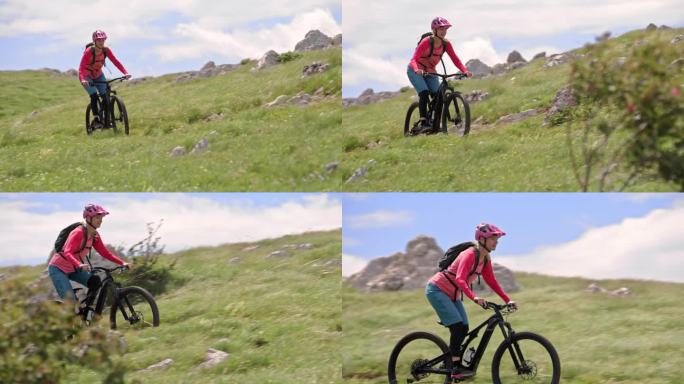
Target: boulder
(313, 40)
(476, 95)
(213, 357)
(337, 40)
(651, 27)
(269, 58)
(517, 116)
(314, 68)
(160, 365)
(515, 57)
(564, 99)
(540, 55)
(677, 39)
(478, 68)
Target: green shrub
(41, 338)
(288, 56)
(646, 131)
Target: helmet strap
(483, 245)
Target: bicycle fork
(514, 348)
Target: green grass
(521, 156)
(599, 338)
(254, 148)
(278, 318)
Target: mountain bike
(131, 307)
(112, 115)
(447, 107)
(521, 356)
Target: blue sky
(380, 36)
(538, 225)
(31, 221)
(156, 37)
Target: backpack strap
(447, 273)
(83, 243)
(104, 52)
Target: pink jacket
(461, 267)
(93, 71)
(421, 60)
(72, 258)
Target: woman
(69, 263)
(428, 53)
(90, 70)
(444, 289)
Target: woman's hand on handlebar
(481, 302)
(85, 267)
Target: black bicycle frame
(107, 285)
(107, 108)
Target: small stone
(178, 151)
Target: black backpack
(104, 50)
(432, 43)
(64, 235)
(450, 256)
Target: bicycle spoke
(420, 361)
(537, 366)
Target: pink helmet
(440, 22)
(91, 210)
(484, 230)
(99, 34)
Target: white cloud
(379, 219)
(184, 28)
(189, 221)
(196, 39)
(352, 264)
(648, 247)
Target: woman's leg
(450, 315)
(92, 92)
(100, 84)
(422, 89)
(61, 282)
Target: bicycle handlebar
(459, 75)
(122, 78)
(506, 308)
(108, 270)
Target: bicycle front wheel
(412, 119)
(456, 116)
(135, 308)
(526, 358)
(420, 357)
(119, 115)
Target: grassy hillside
(520, 156)
(253, 149)
(599, 338)
(277, 317)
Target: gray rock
(160, 365)
(300, 99)
(557, 59)
(540, 55)
(651, 27)
(360, 172)
(200, 147)
(71, 72)
(314, 68)
(139, 80)
(498, 69)
(337, 40)
(516, 65)
(332, 166)
(313, 40)
(178, 151)
(603, 37)
(369, 97)
(515, 57)
(280, 100)
(678, 63)
(677, 39)
(214, 117)
(269, 59)
(250, 248)
(278, 253)
(213, 357)
(208, 66)
(622, 292)
(664, 27)
(517, 116)
(478, 68)
(564, 99)
(594, 288)
(235, 260)
(476, 95)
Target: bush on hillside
(41, 339)
(645, 130)
(288, 56)
(147, 271)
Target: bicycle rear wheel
(134, 309)
(119, 116)
(456, 116)
(530, 359)
(420, 357)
